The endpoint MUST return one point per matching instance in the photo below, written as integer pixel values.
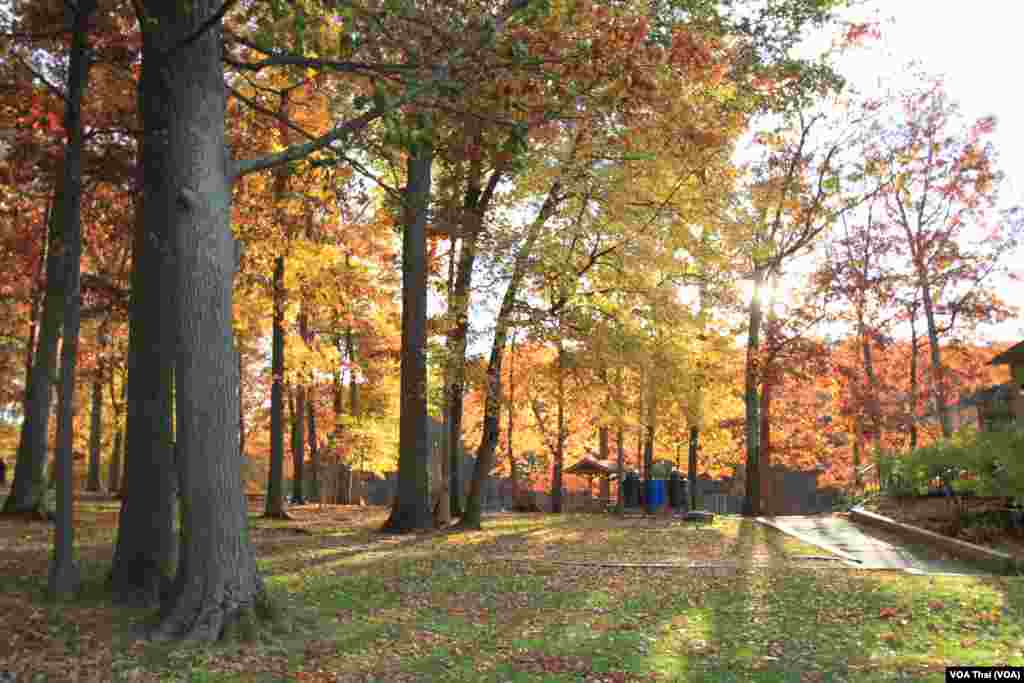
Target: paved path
(868, 548)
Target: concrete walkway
(866, 548)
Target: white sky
(976, 47)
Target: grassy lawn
(531, 598)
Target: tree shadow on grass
(771, 624)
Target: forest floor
(530, 598)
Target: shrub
(987, 463)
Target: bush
(987, 463)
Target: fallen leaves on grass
(429, 606)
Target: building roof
(1014, 354)
(588, 466)
(988, 395)
(998, 392)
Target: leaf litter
(573, 597)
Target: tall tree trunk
(556, 478)
(64, 577)
(95, 435)
(301, 399)
(354, 406)
(858, 446)
(336, 464)
(314, 449)
(764, 448)
(935, 355)
(114, 475)
(457, 340)
(96, 417)
(513, 467)
(444, 513)
(476, 203)
(38, 290)
(411, 511)
(51, 478)
(274, 502)
(691, 465)
(29, 483)
(298, 444)
(241, 409)
(752, 379)
(650, 427)
(620, 440)
(640, 462)
(441, 498)
(913, 377)
(147, 545)
(189, 184)
(874, 404)
(114, 472)
(338, 406)
(492, 401)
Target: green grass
(458, 607)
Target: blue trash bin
(655, 498)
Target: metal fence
(722, 504)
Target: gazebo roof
(1014, 354)
(590, 467)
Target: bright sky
(975, 46)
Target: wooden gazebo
(592, 468)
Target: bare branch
(296, 152)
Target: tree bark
(338, 398)
(116, 463)
(641, 462)
(217, 578)
(64, 575)
(913, 377)
(274, 502)
(764, 448)
(96, 417)
(752, 379)
(241, 409)
(354, 407)
(114, 474)
(298, 444)
(38, 291)
(650, 427)
(691, 465)
(314, 450)
(411, 511)
(93, 482)
(457, 367)
(871, 395)
(935, 355)
(492, 401)
(513, 467)
(443, 510)
(557, 504)
(147, 546)
(29, 483)
(620, 443)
